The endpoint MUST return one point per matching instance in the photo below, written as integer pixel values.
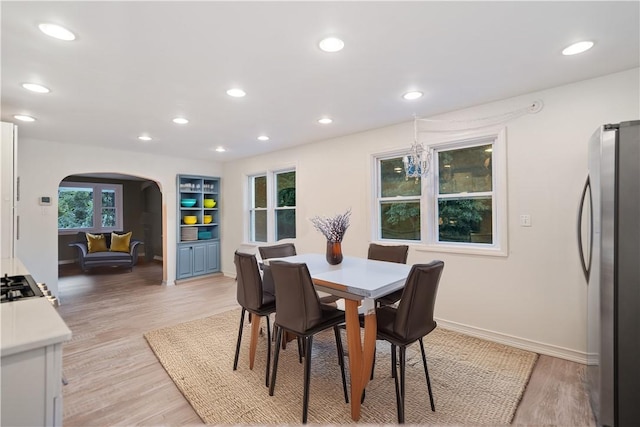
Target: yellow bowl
(207, 219)
(209, 203)
(189, 219)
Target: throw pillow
(96, 243)
(120, 242)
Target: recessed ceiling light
(412, 95)
(221, 149)
(331, 44)
(263, 138)
(180, 120)
(236, 93)
(325, 120)
(57, 31)
(576, 48)
(24, 118)
(34, 87)
(144, 138)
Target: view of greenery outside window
(89, 207)
(286, 205)
(465, 194)
(272, 215)
(258, 211)
(398, 201)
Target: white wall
(536, 296)
(41, 167)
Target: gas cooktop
(14, 288)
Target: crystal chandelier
(418, 160)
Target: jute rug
(474, 381)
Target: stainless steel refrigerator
(609, 244)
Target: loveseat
(91, 254)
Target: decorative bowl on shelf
(190, 219)
(209, 203)
(207, 219)
(188, 203)
(204, 235)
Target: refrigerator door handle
(586, 264)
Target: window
(85, 206)
(460, 206)
(272, 212)
(398, 202)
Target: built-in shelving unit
(198, 239)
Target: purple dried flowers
(333, 228)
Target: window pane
(285, 224)
(75, 207)
(465, 170)
(260, 192)
(108, 198)
(400, 220)
(259, 226)
(108, 217)
(286, 189)
(393, 180)
(465, 220)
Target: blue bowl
(188, 203)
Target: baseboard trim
(66, 261)
(510, 340)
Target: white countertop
(29, 323)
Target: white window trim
(271, 204)
(97, 214)
(429, 202)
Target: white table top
(360, 276)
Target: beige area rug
(475, 382)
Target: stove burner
(13, 288)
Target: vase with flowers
(333, 229)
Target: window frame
(496, 136)
(97, 189)
(272, 204)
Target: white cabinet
(8, 188)
(31, 363)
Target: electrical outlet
(525, 220)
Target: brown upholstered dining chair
(277, 251)
(410, 322)
(255, 296)
(300, 312)
(397, 253)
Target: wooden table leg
(360, 358)
(255, 331)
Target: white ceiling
(136, 65)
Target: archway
(129, 203)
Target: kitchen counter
(31, 337)
(30, 323)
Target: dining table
(359, 281)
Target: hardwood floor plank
(115, 379)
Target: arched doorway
(123, 202)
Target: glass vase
(334, 252)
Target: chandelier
(418, 160)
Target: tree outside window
(272, 215)
(89, 207)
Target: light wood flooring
(115, 379)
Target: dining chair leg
(300, 348)
(373, 365)
(308, 342)
(399, 404)
(426, 373)
(235, 359)
(336, 331)
(275, 361)
(268, 352)
(403, 354)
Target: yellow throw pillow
(96, 243)
(120, 242)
